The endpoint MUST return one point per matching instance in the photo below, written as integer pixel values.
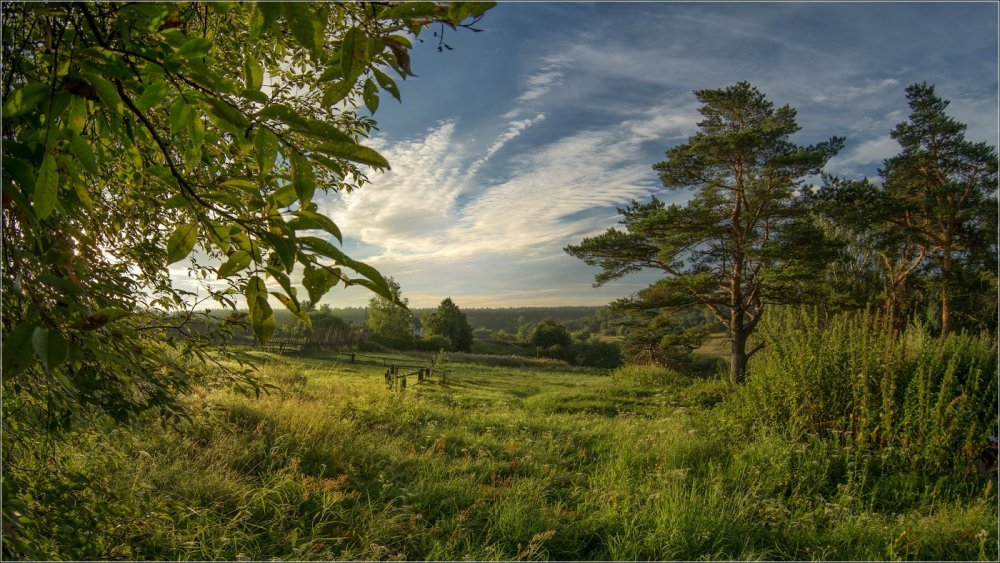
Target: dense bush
(913, 401)
(433, 343)
(370, 346)
(594, 353)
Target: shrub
(434, 343)
(369, 346)
(594, 353)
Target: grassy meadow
(497, 463)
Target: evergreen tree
(945, 189)
(742, 241)
(924, 237)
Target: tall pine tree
(742, 240)
(945, 188)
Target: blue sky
(527, 137)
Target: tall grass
(912, 401)
(498, 464)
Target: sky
(527, 136)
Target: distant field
(499, 463)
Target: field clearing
(499, 463)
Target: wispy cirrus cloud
(514, 129)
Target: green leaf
(181, 242)
(254, 286)
(83, 153)
(327, 132)
(269, 12)
(378, 289)
(106, 91)
(284, 196)
(353, 54)
(50, 347)
(197, 131)
(317, 282)
(458, 11)
(311, 220)
(81, 192)
(255, 96)
(77, 114)
(266, 146)
(236, 262)
(387, 84)
(336, 92)
(46, 187)
(284, 247)
(17, 350)
(283, 280)
(154, 94)
(240, 183)
(253, 72)
(355, 153)
(326, 249)
(261, 315)
(262, 320)
(25, 99)
(219, 233)
(370, 96)
(227, 112)
(293, 306)
(303, 179)
(285, 114)
(305, 26)
(194, 48)
(180, 115)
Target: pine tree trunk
(738, 356)
(946, 290)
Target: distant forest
(506, 319)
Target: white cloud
(863, 156)
(839, 95)
(547, 77)
(515, 129)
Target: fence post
(352, 357)
(402, 383)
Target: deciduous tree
(550, 333)
(449, 321)
(389, 321)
